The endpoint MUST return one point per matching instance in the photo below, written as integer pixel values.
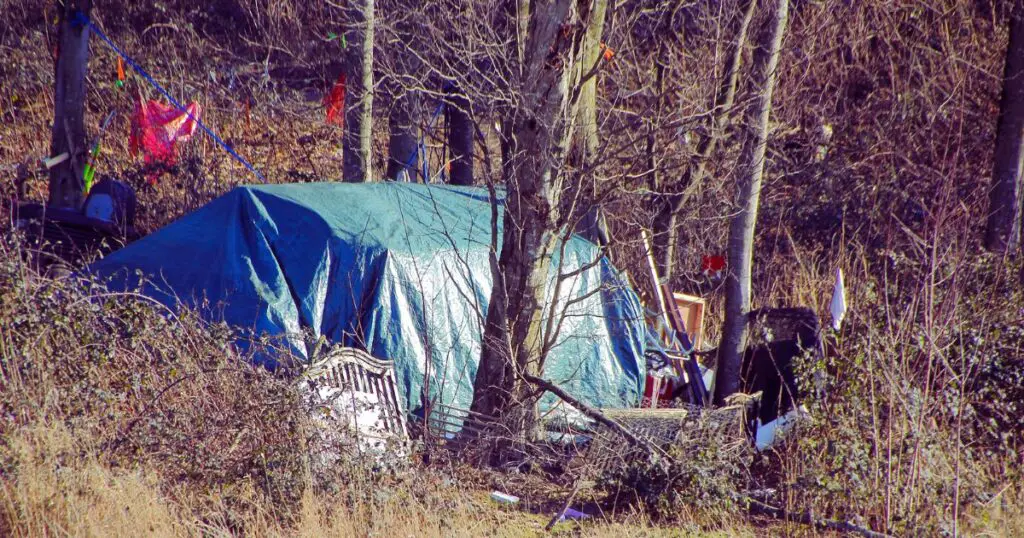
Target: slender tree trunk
(654, 174)
(664, 228)
(666, 220)
(513, 339)
(459, 120)
(588, 90)
(357, 141)
(403, 142)
(68, 134)
(741, 227)
(594, 227)
(1004, 217)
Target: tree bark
(68, 134)
(1004, 217)
(594, 226)
(666, 220)
(513, 339)
(403, 141)
(461, 131)
(741, 226)
(588, 90)
(357, 141)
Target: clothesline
(83, 20)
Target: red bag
(157, 127)
(335, 102)
(712, 266)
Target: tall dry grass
(56, 484)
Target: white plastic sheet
(838, 305)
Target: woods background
(879, 161)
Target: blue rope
(81, 19)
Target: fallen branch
(593, 413)
(808, 519)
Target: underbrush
(701, 480)
(914, 422)
(119, 417)
(142, 386)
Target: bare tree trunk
(403, 141)
(666, 221)
(1004, 217)
(357, 141)
(741, 227)
(588, 90)
(459, 119)
(68, 135)
(594, 226)
(513, 339)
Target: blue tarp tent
(398, 269)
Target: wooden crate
(690, 309)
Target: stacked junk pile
(680, 383)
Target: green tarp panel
(398, 269)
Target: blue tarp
(398, 269)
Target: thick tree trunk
(1004, 219)
(459, 119)
(403, 142)
(513, 341)
(741, 227)
(357, 141)
(68, 134)
(666, 220)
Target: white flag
(838, 306)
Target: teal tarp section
(398, 269)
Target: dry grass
(60, 487)
(56, 490)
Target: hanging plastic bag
(837, 307)
(712, 266)
(156, 128)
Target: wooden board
(690, 310)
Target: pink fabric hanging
(157, 127)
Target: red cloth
(664, 386)
(157, 127)
(335, 102)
